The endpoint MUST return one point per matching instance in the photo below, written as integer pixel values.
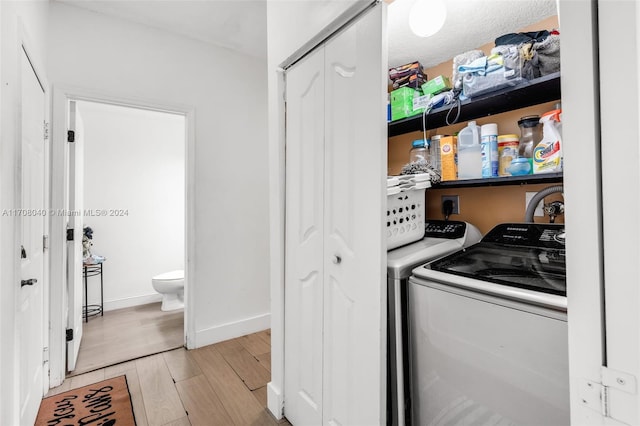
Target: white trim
(276, 237)
(129, 302)
(57, 257)
(620, 35)
(189, 226)
(59, 164)
(582, 182)
(275, 400)
(231, 330)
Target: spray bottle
(547, 155)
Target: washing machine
(488, 332)
(441, 238)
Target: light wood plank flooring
(221, 384)
(125, 334)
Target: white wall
(19, 22)
(286, 35)
(142, 234)
(229, 281)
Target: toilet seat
(170, 276)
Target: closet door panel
(355, 171)
(304, 272)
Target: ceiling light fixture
(427, 17)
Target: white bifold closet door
(335, 299)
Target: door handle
(30, 281)
(23, 253)
(336, 259)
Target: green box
(402, 103)
(436, 85)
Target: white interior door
(304, 272)
(355, 201)
(335, 253)
(30, 321)
(74, 247)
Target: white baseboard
(132, 301)
(231, 330)
(275, 400)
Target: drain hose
(531, 208)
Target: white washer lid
(169, 276)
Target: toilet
(171, 286)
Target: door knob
(30, 281)
(336, 259)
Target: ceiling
(468, 25)
(241, 24)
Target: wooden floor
(126, 334)
(221, 384)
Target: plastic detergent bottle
(547, 155)
(469, 152)
(489, 149)
(418, 151)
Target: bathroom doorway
(133, 168)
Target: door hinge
(45, 242)
(619, 380)
(597, 396)
(46, 131)
(71, 136)
(45, 355)
(70, 235)
(69, 334)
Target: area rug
(106, 403)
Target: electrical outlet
(456, 203)
(538, 212)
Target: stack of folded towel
(402, 183)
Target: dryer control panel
(449, 229)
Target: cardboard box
(402, 103)
(436, 85)
(448, 153)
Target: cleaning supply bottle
(469, 152)
(418, 151)
(489, 149)
(530, 136)
(547, 155)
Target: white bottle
(547, 155)
(469, 152)
(489, 144)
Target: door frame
(59, 193)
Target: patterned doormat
(106, 403)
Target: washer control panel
(448, 229)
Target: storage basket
(405, 217)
